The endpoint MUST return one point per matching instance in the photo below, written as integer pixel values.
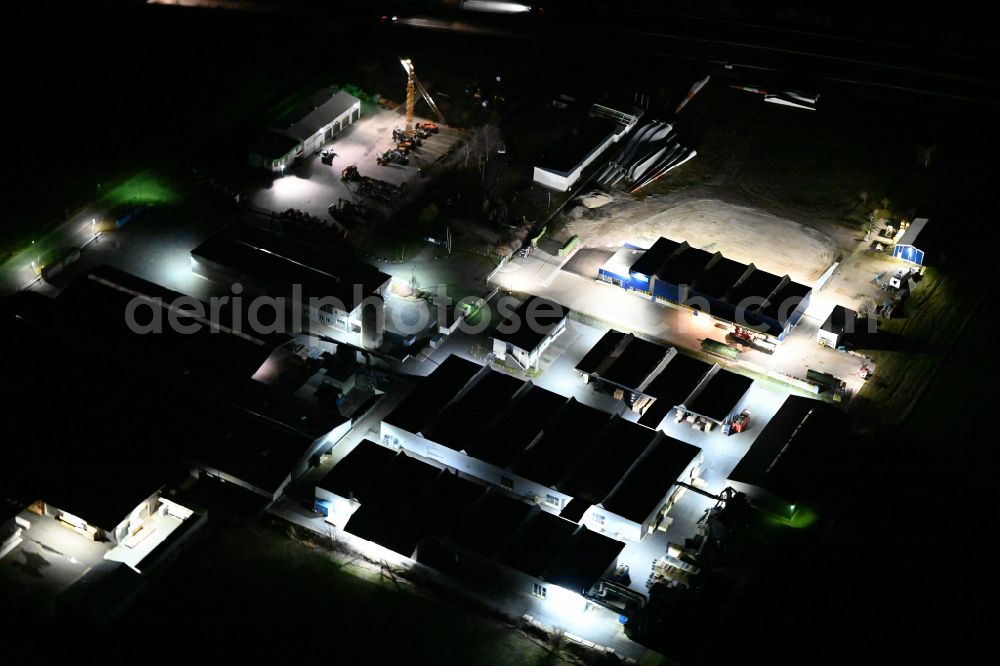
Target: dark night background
(903, 567)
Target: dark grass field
(254, 584)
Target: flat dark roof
(606, 460)
(469, 417)
(320, 110)
(600, 351)
(94, 305)
(721, 395)
(719, 278)
(758, 285)
(538, 541)
(636, 360)
(276, 264)
(672, 387)
(490, 523)
(391, 492)
(574, 509)
(685, 266)
(255, 450)
(649, 481)
(583, 561)
(651, 261)
(354, 473)
(783, 303)
(565, 437)
(432, 394)
(520, 424)
(837, 321)
(273, 146)
(789, 454)
(572, 148)
(443, 503)
(532, 322)
(101, 488)
(311, 418)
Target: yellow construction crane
(413, 85)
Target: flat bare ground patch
(748, 235)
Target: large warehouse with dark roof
(421, 511)
(531, 442)
(729, 291)
(791, 455)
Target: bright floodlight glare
(565, 602)
(495, 7)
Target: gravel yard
(741, 233)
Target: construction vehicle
(751, 339)
(400, 136)
(412, 87)
(736, 424)
(350, 174)
(392, 156)
(346, 208)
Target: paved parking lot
(312, 186)
(49, 559)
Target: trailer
(824, 380)
(720, 349)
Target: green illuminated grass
(144, 187)
(801, 519)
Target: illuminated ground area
(156, 528)
(747, 235)
(49, 559)
(312, 186)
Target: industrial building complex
(743, 295)
(566, 456)
(492, 347)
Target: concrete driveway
(631, 312)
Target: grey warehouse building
(303, 132)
